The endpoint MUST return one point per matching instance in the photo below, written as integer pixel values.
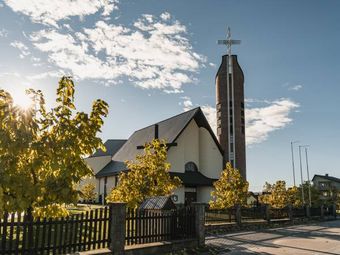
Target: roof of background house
(112, 146)
(169, 129)
(327, 177)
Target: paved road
(317, 238)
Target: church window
(242, 105)
(190, 167)
(231, 130)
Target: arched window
(190, 167)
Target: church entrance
(190, 196)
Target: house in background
(329, 186)
(194, 153)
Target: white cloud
(210, 114)
(49, 12)
(153, 54)
(187, 103)
(24, 51)
(260, 121)
(165, 16)
(212, 64)
(3, 33)
(296, 87)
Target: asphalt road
(316, 238)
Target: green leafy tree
(41, 152)
(230, 190)
(315, 194)
(278, 196)
(147, 176)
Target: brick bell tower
(230, 109)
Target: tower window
(190, 167)
(231, 130)
(242, 105)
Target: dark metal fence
(279, 213)
(23, 234)
(315, 211)
(299, 212)
(253, 213)
(148, 226)
(220, 215)
(328, 210)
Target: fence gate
(148, 226)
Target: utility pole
(302, 191)
(309, 185)
(293, 165)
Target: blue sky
(153, 59)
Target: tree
(278, 196)
(41, 152)
(88, 192)
(315, 194)
(230, 190)
(146, 177)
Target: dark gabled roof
(112, 146)
(327, 177)
(193, 178)
(158, 203)
(169, 129)
(112, 168)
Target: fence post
(117, 233)
(199, 222)
(238, 215)
(290, 212)
(322, 212)
(307, 208)
(334, 210)
(267, 207)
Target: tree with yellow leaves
(278, 196)
(146, 177)
(230, 190)
(88, 192)
(42, 152)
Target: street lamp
(291, 147)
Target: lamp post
(293, 165)
(302, 192)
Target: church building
(196, 155)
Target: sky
(153, 59)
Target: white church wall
(203, 194)
(96, 163)
(180, 195)
(211, 159)
(187, 149)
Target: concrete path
(317, 238)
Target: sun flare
(21, 99)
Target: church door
(190, 197)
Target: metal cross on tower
(230, 96)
